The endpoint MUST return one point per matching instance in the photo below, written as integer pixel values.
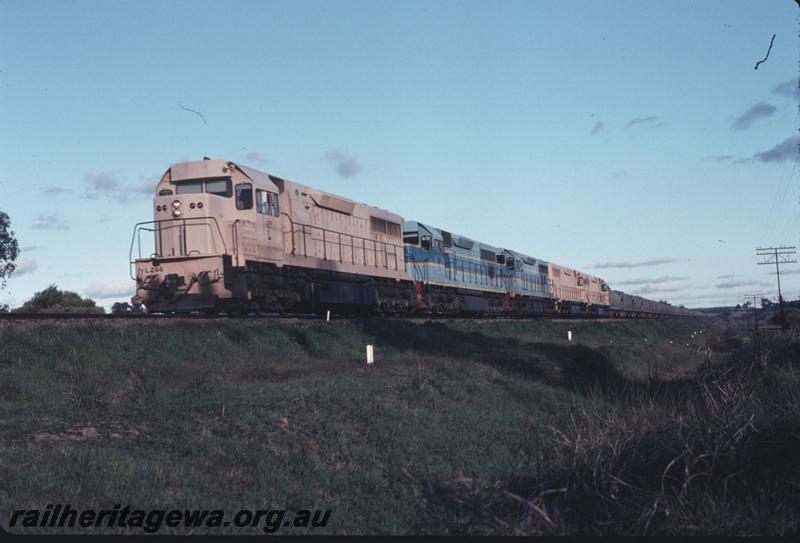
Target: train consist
(229, 238)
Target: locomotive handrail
(177, 222)
(419, 273)
(291, 222)
(235, 235)
(306, 229)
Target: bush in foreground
(53, 300)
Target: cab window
(192, 187)
(267, 203)
(262, 202)
(219, 187)
(426, 243)
(276, 205)
(244, 196)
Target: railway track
(166, 317)
(11, 317)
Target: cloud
(728, 276)
(256, 158)
(24, 266)
(782, 152)
(658, 289)
(655, 285)
(790, 271)
(733, 283)
(344, 164)
(109, 185)
(651, 121)
(50, 222)
(618, 174)
(758, 111)
(102, 182)
(716, 298)
(598, 127)
(110, 290)
(651, 280)
(711, 296)
(639, 264)
(788, 88)
(719, 158)
(54, 191)
(29, 248)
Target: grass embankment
(465, 427)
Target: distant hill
(721, 309)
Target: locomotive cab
(210, 216)
(226, 236)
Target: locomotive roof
(219, 167)
(415, 225)
(258, 176)
(527, 259)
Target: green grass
(496, 427)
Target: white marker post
(370, 355)
(569, 335)
(328, 316)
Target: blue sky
(630, 139)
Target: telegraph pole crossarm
(777, 256)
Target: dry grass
(459, 428)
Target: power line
(777, 256)
(789, 229)
(781, 195)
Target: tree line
(49, 300)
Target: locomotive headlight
(176, 212)
(176, 204)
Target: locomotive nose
(177, 207)
(170, 284)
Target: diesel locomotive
(229, 238)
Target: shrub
(124, 308)
(792, 317)
(53, 300)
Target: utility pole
(755, 311)
(777, 256)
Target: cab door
(268, 218)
